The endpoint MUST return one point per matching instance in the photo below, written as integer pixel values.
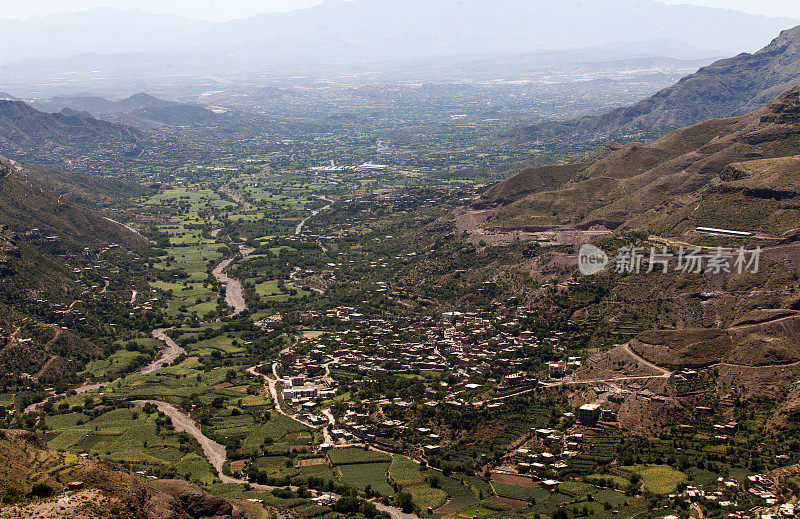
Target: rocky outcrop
(108, 490)
(201, 505)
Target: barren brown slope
(719, 172)
(531, 180)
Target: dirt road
(299, 229)
(215, 452)
(166, 357)
(234, 294)
(271, 383)
(168, 354)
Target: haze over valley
(400, 259)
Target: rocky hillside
(739, 173)
(140, 110)
(725, 88)
(25, 204)
(48, 483)
(62, 139)
(89, 191)
(47, 241)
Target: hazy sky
(767, 7)
(230, 9)
(216, 10)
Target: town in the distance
(475, 263)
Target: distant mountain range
(62, 138)
(725, 88)
(342, 31)
(140, 110)
(734, 173)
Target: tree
(405, 502)
(369, 510)
(348, 505)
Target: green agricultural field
(300, 438)
(577, 490)
(412, 479)
(268, 288)
(233, 491)
(129, 436)
(278, 430)
(658, 479)
(318, 471)
(611, 497)
(476, 511)
(366, 474)
(480, 486)
(191, 199)
(608, 480)
(223, 343)
(426, 497)
(276, 466)
(355, 456)
(115, 364)
(454, 488)
(517, 492)
(405, 472)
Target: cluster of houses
(459, 344)
(358, 427)
(302, 392)
(6, 413)
(757, 485)
(721, 432)
(421, 344)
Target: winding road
(234, 293)
(214, 452)
(665, 373)
(129, 228)
(165, 357)
(217, 454)
(315, 212)
(271, 383)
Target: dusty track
(167, 355)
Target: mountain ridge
(358, 30)
(707, 174)
(728, 87)
(59, 139)
(140, 110)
